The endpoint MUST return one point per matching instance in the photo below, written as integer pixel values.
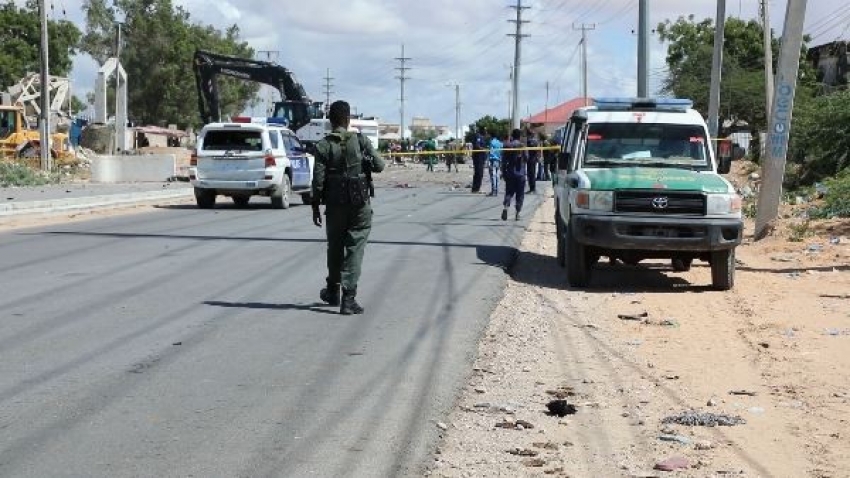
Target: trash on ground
(561, 408)
(693, 418)
(673, 464)
(636, 317)
(743, 392)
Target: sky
(456, 42)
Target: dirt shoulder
(772, 352)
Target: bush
(836, 198)
(14, 174)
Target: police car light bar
(259, 120)
(652, 104)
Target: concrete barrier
(132, 168)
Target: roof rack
(643, 104)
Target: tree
(158, 41)
(820, 139)
(689, 59)
(490, 125)
(20, 36)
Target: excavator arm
(296, 107)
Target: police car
(250, 157)
(638, 179)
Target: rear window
(233, 140)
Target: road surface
(184, 342)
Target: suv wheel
(723, 269)
(280, 196)
(205, 198)
(578, 264)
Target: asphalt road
(187, 342)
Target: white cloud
(456, 41)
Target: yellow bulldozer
(20, 142)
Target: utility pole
(328, 90)
(518, 36)
(716, 70)
(44, 140)
(643, 49)
(457, 108)
(271, 57)
(779, 126)
(119, 137)
(768, 56)
(584, 27)
(402, 77)
(546, 108)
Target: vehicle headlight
(595, 200)
(723, 204)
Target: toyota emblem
(660, 202)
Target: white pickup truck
(250, 157)
(638, 179)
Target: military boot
(330, 294)
(349, 305)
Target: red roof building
(555, 117)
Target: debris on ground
(636, 317)
(693, 418)
(561, 408)
(523, 452)
(534, 462)
(673, 464)
(743, 392)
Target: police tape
(461, 152)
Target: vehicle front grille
(659, 202)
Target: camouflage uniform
(339, 158)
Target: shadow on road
(543, 270)
(315, 307)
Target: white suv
(247, 158)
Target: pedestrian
(533, 156)
(340, 184)
(494, 160)
(479, 157)
(549, 158)
(514, 171)
(450, 157)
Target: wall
(133, 168)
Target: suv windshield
(233, 140)
(646, 144)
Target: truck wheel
(205, 198)
(307, 198)
(723, 269)
(578, 265)
(280, 196)
(241, 200)
(559, 233)
(681, 265)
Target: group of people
(520, 159)
(341, 185)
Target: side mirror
(564, 159)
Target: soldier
(340, 183)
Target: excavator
(296, 108)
